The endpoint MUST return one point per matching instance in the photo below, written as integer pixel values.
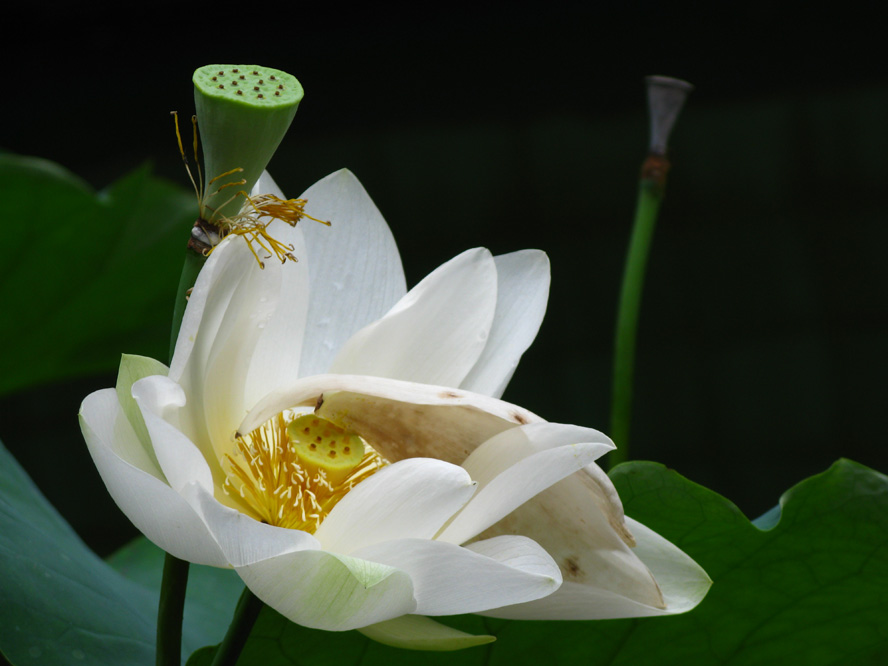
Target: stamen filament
(197, 190)
(281, 488)
(194, 145)
(253, 220)
(222, 175)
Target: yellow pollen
(251, 223)
(280, 474)
(255, 217)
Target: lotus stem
(170, 611)
(245, 616)
(665, 99)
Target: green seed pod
(321, 444)
(243, 112)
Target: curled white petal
(243, 540)
(412, 498)
(518, 464)
(436, 332)
(683, 582)
(521, 299)
(182, 462)
(370, 404)
(605, 573)
(354, 267)
(450, 579)
(329, 591)
(417, 632)
(158, 511)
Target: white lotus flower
(440, 498)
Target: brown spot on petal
(319, 402)
(571, 567)
(520, 418)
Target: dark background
(761, 354)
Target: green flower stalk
(243, 113)
(666, 97)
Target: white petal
(575, 601)
(522, 295)
(152, 506)
(407, 420)
(267, 185)
(417, 632)
(243, 540)
(133, 368)
(355, 269)
(220, 317)
(500, 453)
(436, 332)
(324, 590)
(181, 461)
(276, 356)
(412, 498)
(206, 306)
(579, 522)
(518, 464)
(450, 579)
(224, 388)
(683, 582)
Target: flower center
(292, 473)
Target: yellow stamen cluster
(288, 210)
(255, 217)
(253, 220)
(275, 474)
